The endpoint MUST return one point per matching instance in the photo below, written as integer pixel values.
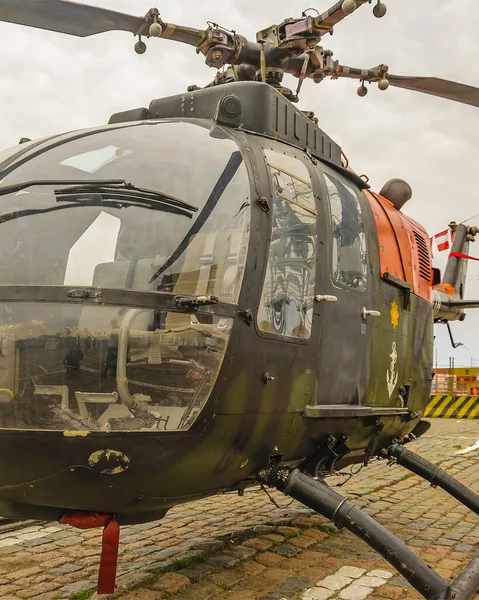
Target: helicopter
(179, 287)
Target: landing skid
(343, 513)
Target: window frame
(333, 174)
(303, 159)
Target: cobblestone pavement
(245, 548)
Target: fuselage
(151, 354)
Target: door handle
(369, 313)
(325, 298)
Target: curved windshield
(9, 155)
(65, 366)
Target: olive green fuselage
(332, 398)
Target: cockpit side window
(286, 306)
(349, 238)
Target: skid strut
(466, 583)
(435, 475)
(343, 513)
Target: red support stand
(110, 543)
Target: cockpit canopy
(156, 368)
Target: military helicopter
(167, 337)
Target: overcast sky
(51, 83)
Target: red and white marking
(443, 240)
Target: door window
(349, 238)
(286, 306)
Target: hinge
(247, 316)
(263, 202)
(309, 154)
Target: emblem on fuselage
(394, 312)
(392, 376)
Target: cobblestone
(171, 583)
(286, 550)
(243, 547)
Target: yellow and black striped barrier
(453, 407)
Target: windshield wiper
(122, 199)
(17, 187)
(121, 189)
(108, 187)
(79, 203)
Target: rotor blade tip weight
(383, 84)
(156, 30)
(140, 47)
(362, 91)
(380, 10)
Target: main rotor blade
(333, 16)
(68, 17)
(458, 92)
(451, 90)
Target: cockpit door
(287, 302)
(343, 358)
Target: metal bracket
(263, 202)
(184, 302)
(324, 458)
(267, 377)
(453, 343)
(403, 285)
(83, 293)
(309, 154)
(247, 316)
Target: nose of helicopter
(55, 473)
(70, 489)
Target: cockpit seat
(83, 398)
(54, 390)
